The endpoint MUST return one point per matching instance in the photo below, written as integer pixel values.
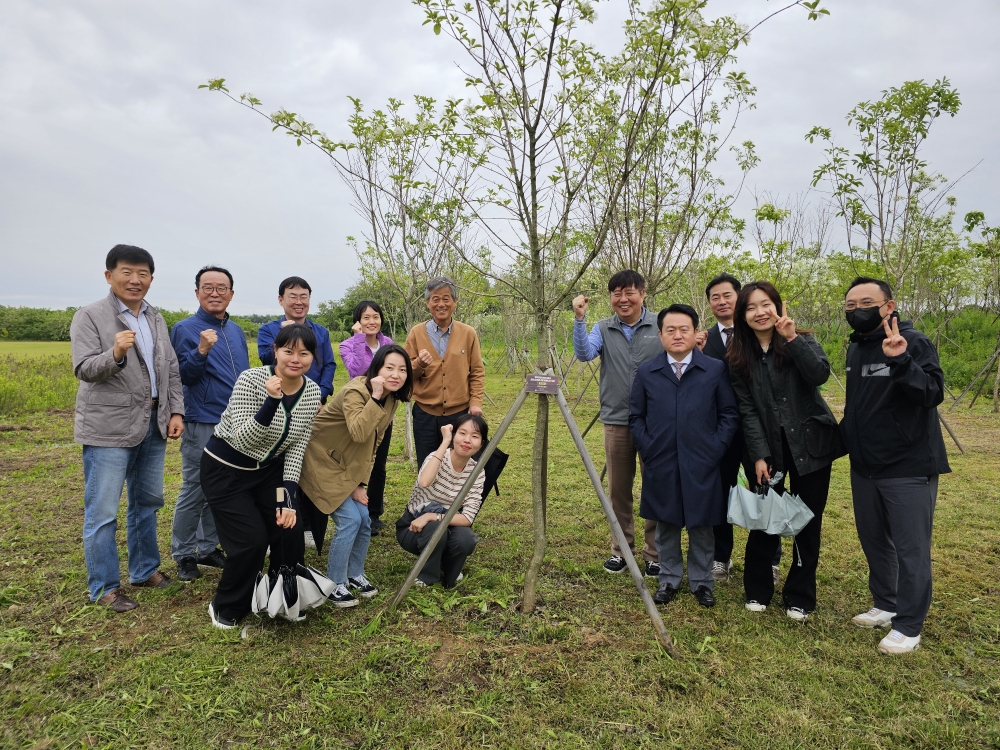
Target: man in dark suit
(722, 292)
(683, 415)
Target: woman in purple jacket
(357, 353)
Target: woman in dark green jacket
(776, 372)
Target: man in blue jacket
(212, 352)
(894, 385)
(293, 296)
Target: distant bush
(39, 324)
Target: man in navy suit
(721, 293)
(683, 416)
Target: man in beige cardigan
(449, 378)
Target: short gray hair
(437, 283)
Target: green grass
(463, 668)
(34, 348)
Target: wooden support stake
(950, 431)
(592, 423)
(439, 532)
(647, 599)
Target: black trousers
(376, 484)
(448, 558)
(729, 471)
(800, 585)
(427, 431)
(243, 505)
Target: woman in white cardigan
(250, 470)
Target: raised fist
(446, 431)
(273, 387)
(580, 303)
(206, 340)
(124, 340)
(378, 386)
(425, 357)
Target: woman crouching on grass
(339, 460)
(440, 479)
(250, 470)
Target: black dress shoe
(214, 559)
(704, 596)
(665, 594)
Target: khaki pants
(620, 455)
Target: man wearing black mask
(894, 385)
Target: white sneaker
(873, 618)
(460, 577)
(897, 643)
(720, 570)
(418, 584)
(755, 606)
(797, 613)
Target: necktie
(679, 367)
(729, 336)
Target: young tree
(883, 191)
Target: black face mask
(864, 320)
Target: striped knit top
(444, 489)
(288, 427)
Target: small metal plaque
(542, 384)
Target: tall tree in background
(883, 192)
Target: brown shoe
(156, 581)
(117, 601)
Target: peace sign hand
(894, 344)
(785, 325)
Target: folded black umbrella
(494, 468)
(314, 519)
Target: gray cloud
(104, 137)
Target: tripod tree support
(661, 631)
(662, 636)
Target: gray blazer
(113, 403)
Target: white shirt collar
(686, 361)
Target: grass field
(463, 668)
(34, 348)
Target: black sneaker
(187, 569)
(223, 623)
(376, 526)
(341, 597)
(665, 594)
(704, 596)
(652, 569)
(363, 586)
(214, 559)
(615, 564)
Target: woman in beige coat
(339, 460)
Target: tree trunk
(539, 466)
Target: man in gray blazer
(129, 402)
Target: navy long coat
(682, 430)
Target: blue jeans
(105, 472)
(349, 547)
(194, 532)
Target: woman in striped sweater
(250, 470)
(441, 477)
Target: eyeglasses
(864, 305)
(297, 297)
(220, 289)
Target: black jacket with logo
(890, 420)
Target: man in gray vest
(623, 342)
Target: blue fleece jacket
(208, 380)
(323, 367)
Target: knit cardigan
(451, 383)
(288, 433)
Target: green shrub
(31, 384)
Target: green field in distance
(34, 348)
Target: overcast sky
(105, 138)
